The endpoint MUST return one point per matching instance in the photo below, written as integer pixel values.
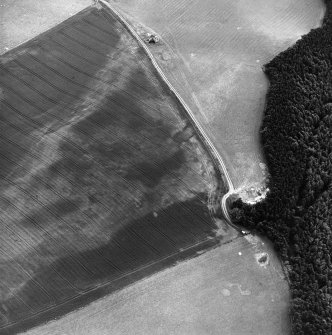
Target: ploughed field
(213, 53)
(103, 179)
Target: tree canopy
(297, 213)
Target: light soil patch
(223, 291)
(21, 20)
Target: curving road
(191, 115)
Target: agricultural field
(213, 55)
(105, 182)
(21, 20)
(219, 292)
(103, 179)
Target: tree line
(296, 215)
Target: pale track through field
(191, 115)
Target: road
(191, 115)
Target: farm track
(44, 91)
(211, 43)
(237, 38)
(198, 127)
(66, 78)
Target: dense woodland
(297, 140)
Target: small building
(152, 39)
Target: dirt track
(213, 54)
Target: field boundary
(200, 131)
